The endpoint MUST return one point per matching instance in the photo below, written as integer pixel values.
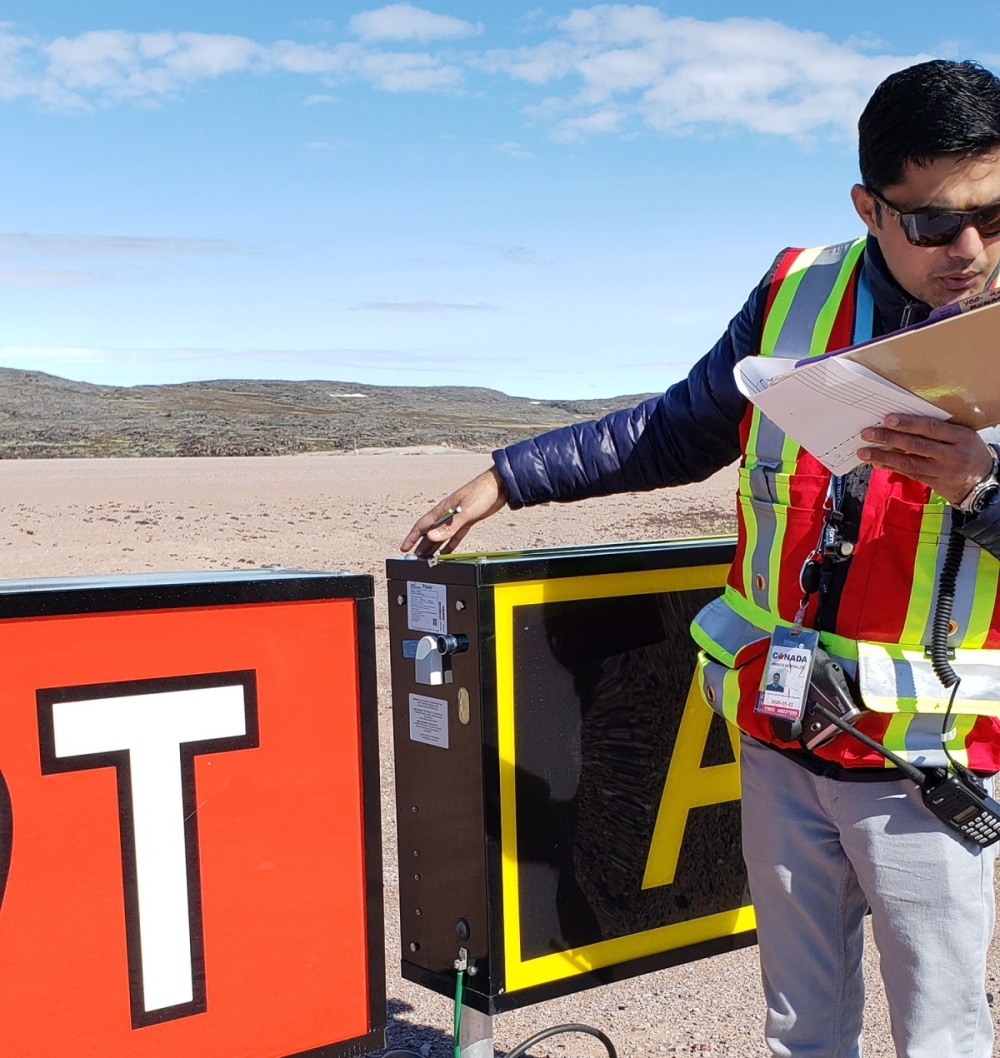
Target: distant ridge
(43, 416)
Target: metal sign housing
(568, 806)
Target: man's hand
(481, 497)
(950, 459)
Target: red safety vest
(884, 617)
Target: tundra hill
(44, 416)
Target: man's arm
(684, 435)
(477, 499)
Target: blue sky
(554, 200)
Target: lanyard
(864, 311)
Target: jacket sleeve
(684, 435)
(984, 528)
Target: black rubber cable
(522, 1048)
(941, 628)
(941, 622)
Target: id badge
(786, 679)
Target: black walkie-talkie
(958, 801)
(956, 798)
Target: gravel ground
(66, 517)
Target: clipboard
(952, 361)
(947, 367)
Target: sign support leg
(475, 1034)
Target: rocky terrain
(44, 416)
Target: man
(831, 833)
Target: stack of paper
(947, 368)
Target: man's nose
(968, 245)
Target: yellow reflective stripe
(896, 651)
(961, 728)
(749, 611)
(895, 734)
(783, 299)
(753, 433)
(984, 600)
(839, 646)
(789, 453)
(883, 703)
(752, 530)
(730, 704)
(828, 313)
(925, 569)
(731, 696)
(774, 563)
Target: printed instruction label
(427, 606)
(429, 720)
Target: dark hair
(923, 112)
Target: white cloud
(102, 67)
(26, 246)
(43, 277)
(406, 71)
(510, 252)
(426, 306)
(624, 64)
(513, 149)
(610, 68)
(117, 64)
(316, 25)
(407, 22)
(339, 144)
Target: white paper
(824, 405)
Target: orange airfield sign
(249, 771)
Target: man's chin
(939, 295)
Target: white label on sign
(427, 607)
(429, 720)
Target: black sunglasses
(940, 227)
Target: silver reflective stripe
(762, 473)
(721, 632)
(770, 446)
(796, 334)
(756, 563)
(890, 683)
(922, 742)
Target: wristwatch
(980, 495)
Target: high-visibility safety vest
(819, 301)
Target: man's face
(937, 275)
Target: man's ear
(867, 208)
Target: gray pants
(821, 852)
